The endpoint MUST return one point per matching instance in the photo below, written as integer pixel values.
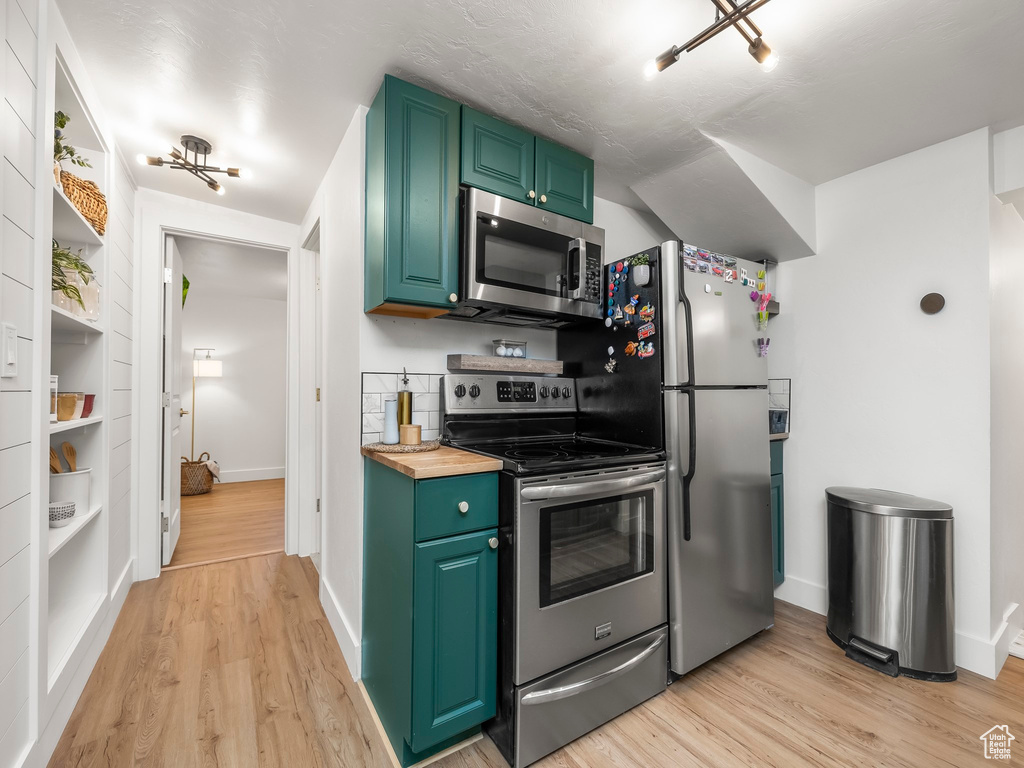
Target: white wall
(17, 297)
(883, 395)
(387, 344)
(1007, 330)
(241, 416)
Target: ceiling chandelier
(201, 170)
(727, 14)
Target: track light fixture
(727, 14)
(201, 170)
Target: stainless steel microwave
(525, 266)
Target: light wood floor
(231, 521)
(234, 664)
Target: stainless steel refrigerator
(715, 388)
(701, 395)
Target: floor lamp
(202, 367)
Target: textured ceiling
(226, 269)
(273, 83)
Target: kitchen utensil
(61, 513)
(70, 455)
(55, 465)
(410, 434)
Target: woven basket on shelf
(87, 198)
(196, 477)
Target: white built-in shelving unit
(76, 570)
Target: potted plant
(641, 265)
(61, 150)
(70, 272)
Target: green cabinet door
(565, 181)
(778, 532)
(497, 157)
(455, 637)
(412, 189)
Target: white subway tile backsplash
(372, 403)
(435, 383)
(370, 437)
(418, 383)
(377, 387)
(426, 402)
(429, 434)
(373, 422)
(422, 418)
(380, 382)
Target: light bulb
(142, 159)
(220, 190)
(650, 70)
(771, 62)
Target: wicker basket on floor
(196, 477)
(87, 198)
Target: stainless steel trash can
(890, 581)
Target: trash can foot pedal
(873, 656)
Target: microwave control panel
(592, 281)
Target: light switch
(9, 352)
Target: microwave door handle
(561, 491)
(579, 248)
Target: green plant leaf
(184, 289)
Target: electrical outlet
(8, 351)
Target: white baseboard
(975, 654)
(248, 475)
(350, 644)
(1007, 633)
(806, 594)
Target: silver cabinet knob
(492, 542)
(543, 198)
(453, 298)
(531, 194)
(463, 507)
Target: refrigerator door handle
(690, 436)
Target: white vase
(390, 422)
(91, 299)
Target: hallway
(234, 664)
(233, 520)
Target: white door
(318, 413)
(171, 504)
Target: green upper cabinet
(565, 181)
(508, 161)
(497, 157)
(412, 189)
(455, 637)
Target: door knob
(531, 194)
(463, 507)
(492, 542)
(453, 298)
(543, 198)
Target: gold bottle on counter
(404, 401)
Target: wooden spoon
(55, 466)
(70, 455)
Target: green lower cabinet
(778, 531)
(455, 636)
(430, 607)
(412, 195)
(565, 181)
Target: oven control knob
(474, 391)
(566, 392)
(544, 391)
(492, 542)
(555, 393)
(460, 390)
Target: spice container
(509, 348)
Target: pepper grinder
(404, 401)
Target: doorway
(225, 375)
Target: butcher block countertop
(444, 462)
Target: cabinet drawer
(437, 505)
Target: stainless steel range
(582, 561)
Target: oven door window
(514, 255)
(587, 546)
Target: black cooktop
(535, 455)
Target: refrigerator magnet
(631, 348)
(645, 331)
(645, 350)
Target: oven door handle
(587, 489)
(565, 691)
